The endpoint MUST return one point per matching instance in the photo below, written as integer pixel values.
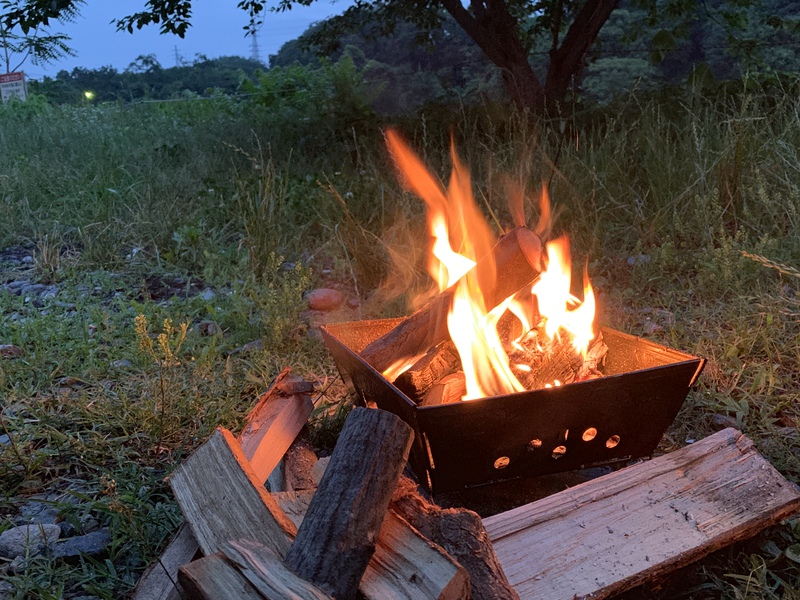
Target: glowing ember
(460, 235)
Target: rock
(207, 295)
(249, 347)
(10, 351)
(720, 422)
(27, 260)
(121, 364)
(71, 549)
(208, 328)
(27, 539)
(6, 590)
(353, 303)
(4, 439)
(325, 299)
(35, 511)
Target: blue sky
(216, 31)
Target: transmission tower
(255, 53)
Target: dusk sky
(217, 30)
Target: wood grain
(222, 499)
(215, 578)
(266, 572)
(612, 533)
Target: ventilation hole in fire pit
(501, 463)
(589, 434)
(559, 451)
(612, 441)
(534, 444)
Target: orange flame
(460, 236)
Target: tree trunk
(494, 29)
(567, 61)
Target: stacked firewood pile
(353, 526)
(346, 524)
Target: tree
(504, 30)
(41, 48)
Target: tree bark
(568, 59)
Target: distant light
(89, 95)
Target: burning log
(450, 389)
(438, 362)
(517, 256)
(461, 533)
(538, 361)
(349, 506)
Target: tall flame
(460, 236)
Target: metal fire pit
(614, 418)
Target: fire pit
(505, 373)
(614, 418)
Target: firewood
(439, 361)
(278, 418)
(450, 389)
(517, 256)
(222, 498)
(300, 460)
(406, 565)
(337, 537)
(266, 572)
(215, 578)
(158, 581)
(461, 533)
(610, 534)
(539, 361)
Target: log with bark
(438, 362)
(517, 257)
(337, 538)
(461, 533)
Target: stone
(27, 539)
(10, 351)
(35, 511)
(121, 364)
(207, 295)
(324, 299)
(6, 590)
(5, 439)
(71, 549)
(208, 328)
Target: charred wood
(438, 362)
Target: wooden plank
(337, 538)
(222, 498)
(215, 578)
(158, 581)
(267, 573)
(406, 565)
(612, 533)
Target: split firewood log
(462, 535)
(517, 258)
(438, 362)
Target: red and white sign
(13, 85)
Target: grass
(117, 383)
